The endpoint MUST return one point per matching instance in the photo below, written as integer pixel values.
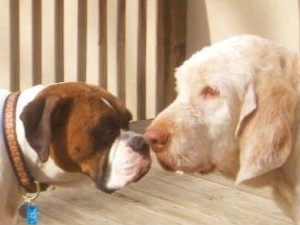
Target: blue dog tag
(32, 217)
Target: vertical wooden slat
(160, 55)
(37, 41)
(82, 40)
(171, 35)
(121, 17)
(175, 44)
(14, 45)
(141, 60)
(59, 40)
(103, 43)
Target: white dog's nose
(157, 138)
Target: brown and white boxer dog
(69, 134)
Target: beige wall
(214, 20)
(4, 44)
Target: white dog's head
(234, 110)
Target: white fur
(107, 103)
(249, 128)
(124, 163)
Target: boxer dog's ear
(264, 132)
(36, 117)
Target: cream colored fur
(237, 111)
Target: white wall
(214, 20)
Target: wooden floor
(162, 198)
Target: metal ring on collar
(31, 196)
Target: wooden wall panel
(59, 41)
(14, 21)
(82, 40)
(120, 60)
(103, 43)
(171, 44)
(141, 59)
(37, 41)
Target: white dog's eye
(209, 92)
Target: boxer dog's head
(85, 129)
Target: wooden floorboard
(162, 198)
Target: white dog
(236, 112)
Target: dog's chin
(105, 189)
(189, 169)
(166, 166)
(110, 183)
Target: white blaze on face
(107, 103)
(125, 164)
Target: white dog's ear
(264, 131)
(248, 106)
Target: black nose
(139, 145)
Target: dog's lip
(166, 166)
(142, 173)
(100, 179)
(181, 170)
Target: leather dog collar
(24, 177)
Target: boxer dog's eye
(104, 137)
(108, 132)
(105, 132)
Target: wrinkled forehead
(193, 76)
(96, 104)
(113, 103)
(109, 112)
(229, 80)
